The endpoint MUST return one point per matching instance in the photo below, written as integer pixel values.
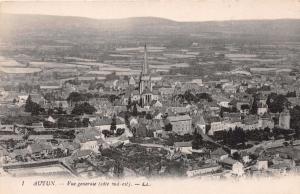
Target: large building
(146, 83)
(181, 124)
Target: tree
(120, 131)
(236, 156)
(291, 94)
(106, 133)
(129, 103)
(84, 108)
(75, 97)
(295, 120)
(254, 106)
(148, 116)
(245, 106)
(113, 125)
(135, 111)
(85, 122)
(127, 122)
(118, 168)
(32, 107)
(28, 104)
(276, 103)
(168, 127)
(197, 141)
(112, 98)
(49, 96)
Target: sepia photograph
(152, 96)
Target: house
(179, 110)
(236, 167)
(215, 124)
(61, 103)
(201, 125)
(89, 140)
(157, 115)
(288, 163)
(155, 125)
(295, 101)
(229, 88)
(38, 138)
(19, 154)
(90, 144)
(5, 138)
(250, 123)
(156, 104)
(222, 101)
(141, 130)
(69, 147)
(38, 126)
(115, 141)
(262, 109)
(37, 98)
(82, 154)
(261, 165)
(184, 147)
(7, 128)
(22, 99)
(219, 154)
(38, 150)
(166, 92)
(50, 119)
(265, 122)
(181, 124)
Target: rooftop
(179, 118)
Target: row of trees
(113, 128)
(76, 97)
(238, 136)
(190, 97)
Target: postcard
(150, 96)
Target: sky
(179, 10)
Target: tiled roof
(219, 152)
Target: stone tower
(145, 83)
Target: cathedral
(145, 83)
(144, 94)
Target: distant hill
(30, 27)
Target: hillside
(33, 27)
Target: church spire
(145, 65)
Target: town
(150, 108)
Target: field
(51, 170)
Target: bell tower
(145, 78)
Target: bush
(120, 131)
